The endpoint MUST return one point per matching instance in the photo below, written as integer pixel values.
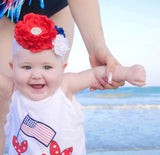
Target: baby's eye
(27, 67)
(47, 67)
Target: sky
(132, 34)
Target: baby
(44, 117)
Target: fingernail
(110, 77)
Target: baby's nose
(36, 75)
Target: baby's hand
(136, 75)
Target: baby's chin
(38, 97)
(37, 92)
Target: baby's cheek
(20, 79)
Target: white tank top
(53, 126)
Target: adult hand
(104, 57)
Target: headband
(37, 33)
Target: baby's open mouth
(37, 86)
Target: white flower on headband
(61, 45)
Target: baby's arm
(76, 82)
(135, 75)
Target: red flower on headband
(35, 32)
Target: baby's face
(37, 75)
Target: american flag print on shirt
(38, 130)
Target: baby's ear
(11, 65)
(64, 65)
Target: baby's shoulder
(66, 85)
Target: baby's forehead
(24, 54)
(21, 53)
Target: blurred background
(132, 33)
(124, 121)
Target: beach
(128, 152)
(122, 122)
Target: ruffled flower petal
(35, 32)
(61, 45)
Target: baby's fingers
(140, 84)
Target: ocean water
(122, 120)
(125, 121)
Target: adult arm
(87, 17)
